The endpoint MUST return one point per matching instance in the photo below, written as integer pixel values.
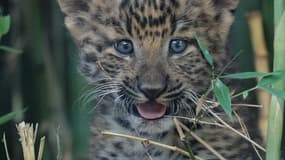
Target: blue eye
(177, 46)
(124, 47)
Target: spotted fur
(96, 25)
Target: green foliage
(276, 112)
(245, 75)
(267, 79)
(10, 50)
(249, 75)
(4, 25)
(6, 118)
(222, 93)
(272, 78)
(205, 52)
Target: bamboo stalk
(276, 112)
(261, 64)
(26, 133)
(41, 149)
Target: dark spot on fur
(124, 123)
(114, 155)
(129, 26)
(162, 5)
(86, 70)
(155, 5)
(157, 33)
(164, 134)
(99, 48)
(157, 153)
(142, 8)
(143, 22)
(136, 4)
(118, 145)
(90, 58)
(124, 3)
(79, 5)
(218, 17)
(173, 24)
(164, 32)
(175, 3)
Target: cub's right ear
(73, 6)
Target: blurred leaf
(205, 52)
(4, 25)
(275, 92)
(249, 75)
(6, 118)
(10, 50)
(222, 93)
(10, 116)
(270, 79)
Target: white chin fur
(151, 126)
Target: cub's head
(144, 51)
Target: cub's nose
(152, 82)
(152, 92)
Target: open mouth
(150, 110)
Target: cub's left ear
(73, 6)
(226, 4)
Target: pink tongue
(151, 110)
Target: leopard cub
(144, 62)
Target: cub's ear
(226, 4)
(73, 6)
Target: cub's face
(144, 52)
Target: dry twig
(172, 148)
(244, 129)
(236, 131)
(41, 149)
(195, 120)
(28, 135)
(200, 140)
(179, 129)
(5, 146)
(26, 132)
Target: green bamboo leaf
(245, 75)
(249, 75)
(205, 52)
(4, 25)
(275, 92)
(10, 50)
(270, 79)
(222, 94)
(7, 117)
(10, 116)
